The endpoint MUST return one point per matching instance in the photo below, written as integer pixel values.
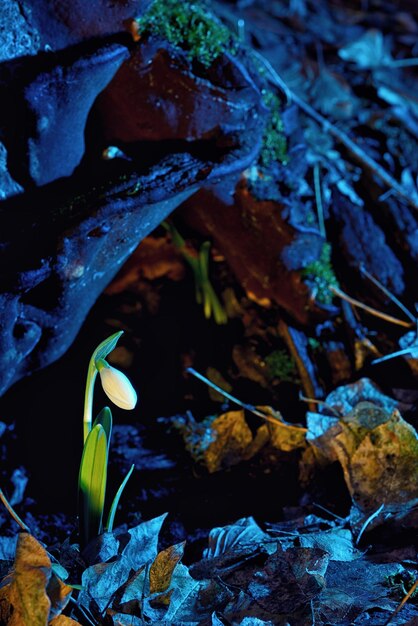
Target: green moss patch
(189, 26)
(320, 276)
(274, 140)
(281, 365)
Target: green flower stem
(94, 367)
(88, 397)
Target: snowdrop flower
(116, 386)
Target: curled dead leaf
(378, 452)
(33, 594)
(221, 441)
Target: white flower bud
(117, 386)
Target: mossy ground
(280, 365)
(188, 25)
(320, 276)
(274, 140)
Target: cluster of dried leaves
(359, 427)
(305, 571)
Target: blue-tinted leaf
(101, 582)
(113, 508)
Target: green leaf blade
(115, 503)
(92, 483)
(104, 418)
(106, 347)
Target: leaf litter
(305, 570)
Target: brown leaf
(24, 601)
(378, 452)
(217, 442)
(34, 594)
(225, 440)
(230, 438)
(163, 566)
(284, 436)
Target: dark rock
(363, 242)
(66, 231)
(31, 26)
(46, 105)
(18, 37)
(75, 250)
(79, 239)
(8, 186)
(404, 223)
(158, 97)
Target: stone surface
(53, 95)
(69, 218)
(159, 97)
(31, 26)
(363, 242)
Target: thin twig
(388, 293)
(319, 506)
(384, 316)
(244, 405)
(13, 513)
(320, 402)
(394, 355)
(402, 603)
(276, 78)
(368, 521)
(306, 380)
(83, 612)
(318, 199)
(358, 153)
(403, 62)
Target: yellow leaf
(284, 436)
(24, 601)
(378, 452)
(231, 437)
(225, 440)
(163, 566)
(33, 594)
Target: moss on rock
(274, 140)
(189, 26)
(320, 276)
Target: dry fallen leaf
(378, 452)
(124, 574)
(368, 52)
(33, 594)
(163, 567)
(225, 440)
